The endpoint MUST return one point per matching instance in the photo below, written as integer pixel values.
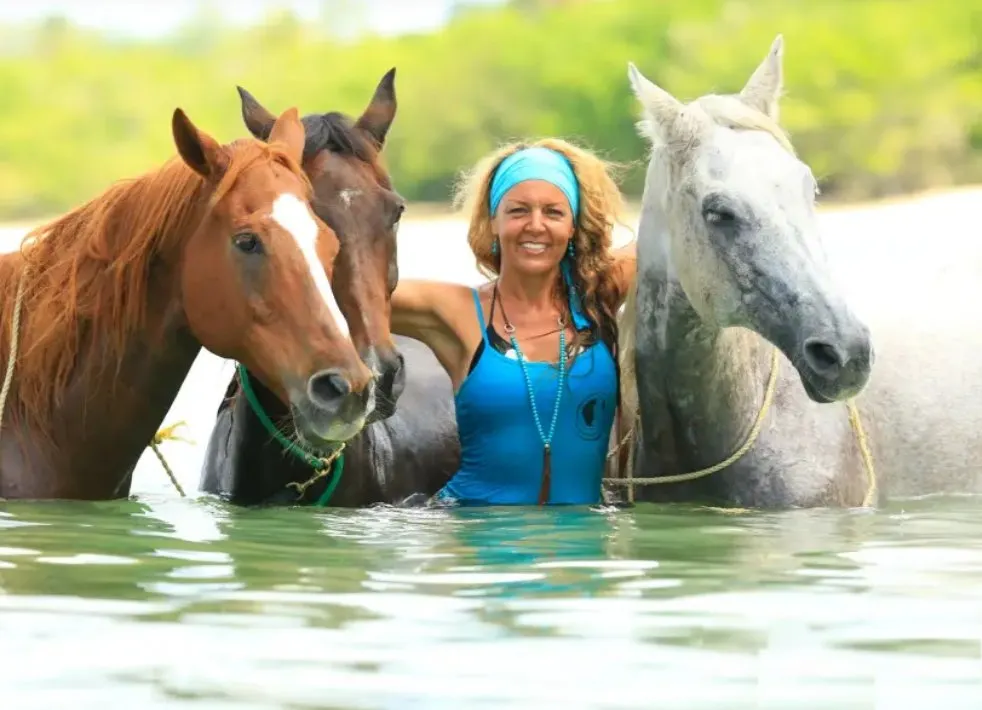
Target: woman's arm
(625, 268)
(436, 314)
(415, 309)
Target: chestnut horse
(107, 307)
(252, 457)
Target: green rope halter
(335, 460)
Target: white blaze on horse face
(348, 195)
(293, 215)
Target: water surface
(158, 602)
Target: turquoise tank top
(501, 451)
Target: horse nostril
(327, 386)
(824, 358)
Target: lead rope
(8, 378)
(863, 442)
(854, 420)
(323, 466)
(167, 433)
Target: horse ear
(201, 152)
(257, 119)
(763, 89)
(381, 111)
(661, 107)
(288, 130)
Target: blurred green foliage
(882, 96)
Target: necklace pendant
(546, 485)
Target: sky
(153, 18)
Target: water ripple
(149, 604)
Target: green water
(163, 603)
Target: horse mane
(724, 110)
(335, 133)
(86, 274)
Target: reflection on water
(191, 603)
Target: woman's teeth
(533, 247)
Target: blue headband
(538, 163)
(535, 163)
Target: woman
(532, 355)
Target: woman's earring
(494, 247)
(571, 250)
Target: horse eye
(399, 211)
(718, 211)
(248, 243)
(719, 216)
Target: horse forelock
(246, 153)
(731, 112)
(335, 133)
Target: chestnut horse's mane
(87, 272)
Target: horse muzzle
(389, 367)
(329, 410)
(836, 367)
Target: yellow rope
(854, 420)
(630, 459)
(8, 378)
(857, 427)
(167, 433)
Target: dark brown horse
(410, 450)
(107, 307)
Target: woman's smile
(533, 247)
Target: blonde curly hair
(601, 208)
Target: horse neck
(264, 469)
(700, 386)
(140, 392)
(114, 402)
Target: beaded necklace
(546, 441)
